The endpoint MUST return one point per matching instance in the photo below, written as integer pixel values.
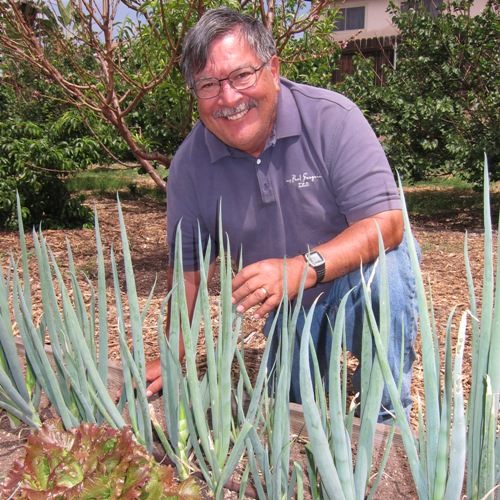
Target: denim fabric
(404, 314)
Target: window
(353, 18)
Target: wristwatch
(317, 262)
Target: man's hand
(263, 283)
(153, 375)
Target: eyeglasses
(239, 79)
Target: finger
(118, 394)
(253, 289)
(245, 274)
(153, 369)
(258, 296)
(244, 283)
(154, 387)
(266, 308)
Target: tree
(126, 72)
(440, 108)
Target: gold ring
(263, 290)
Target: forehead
(227, 54)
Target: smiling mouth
(237, 116)
(236, 113)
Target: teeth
(237, 116)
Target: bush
(42, 140)
(33, 165)
(439, 110)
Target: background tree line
(79, 86)
(439, 112)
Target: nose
(227, 92)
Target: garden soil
(441, 239)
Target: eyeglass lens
(239, 79)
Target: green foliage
(91, 461)
(93, 140)
(162, 118)
(32, 163)
(312, 57)
(440, 109)
(7, 98)
(42, 141)
(33, 97)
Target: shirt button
(259, 161)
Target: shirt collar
(288, 118)
(287, 125)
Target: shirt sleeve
(360, 174)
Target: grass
(450, 200)
(109, 180)
(443, 182)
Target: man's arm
(192, 285)
(262, 282)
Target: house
(366, 26)
(370, 19)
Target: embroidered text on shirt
(303, 180)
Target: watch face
(316, 259)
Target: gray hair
(215, 24)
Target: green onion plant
(218, 422)
(75, 379)
(457, 449)
(198, 409)
(453, 439)
(329, 422)
(218, 419)
(269, 445)
(483, 443)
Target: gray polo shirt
(322, 168)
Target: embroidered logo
(303, 180)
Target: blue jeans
(404, 314)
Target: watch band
(317, 262)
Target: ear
(274, 64)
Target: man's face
(242, 119)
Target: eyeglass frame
(228, 78)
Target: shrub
(33, 165)
(440, 108)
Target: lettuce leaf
(90, 462)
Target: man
(300, 174)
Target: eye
(206, 85)
(242, 74)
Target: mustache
(242, 106)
